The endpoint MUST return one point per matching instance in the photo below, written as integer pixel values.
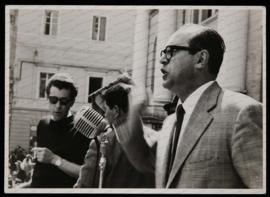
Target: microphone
(90, 123)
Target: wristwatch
(58, 161)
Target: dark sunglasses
(169, 51)
(63, 100)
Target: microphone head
(89, 122)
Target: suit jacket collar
(198, 122)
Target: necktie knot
(180, 113)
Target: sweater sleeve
(88, 171)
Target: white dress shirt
(190, 104)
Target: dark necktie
(179, 120)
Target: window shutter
(102, 28)
(47, 22)
(54, 23)
(95, 28)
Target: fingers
(38, 153)
(125, 81)
(38, 150)
(125, 78)
(127, 87)
(103, 124)
(42, 154)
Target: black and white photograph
(135, 99)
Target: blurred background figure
(27, 166)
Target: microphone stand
(102, 161)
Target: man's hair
(210, 40)
(62, 81)
(117, 95)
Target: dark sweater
(61, 139)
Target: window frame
(53, 71)
(92, 74)
(214, 13)
(51, 24)
(89, 85)
(99, 28)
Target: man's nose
(58, 104)
(163, 60)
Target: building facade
(92, 45)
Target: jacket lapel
(198, 122)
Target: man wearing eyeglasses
(60, 150)
(214, 139)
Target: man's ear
(202, 59)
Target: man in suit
(220, 140)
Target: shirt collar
(193, 98)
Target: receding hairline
(185, 33)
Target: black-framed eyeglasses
(63, 100)
(169, 51)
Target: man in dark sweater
(60, 150)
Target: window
(99, 28)
(94, 84)
(184, 17)
(43, 79)
(206, 14)
(199, 16)
(196, 16)
(50, 22)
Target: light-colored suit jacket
(221, 145)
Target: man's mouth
(165, 73)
